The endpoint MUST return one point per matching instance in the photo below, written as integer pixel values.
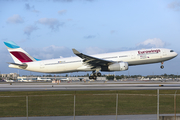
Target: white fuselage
(73, 64)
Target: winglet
(75, 51)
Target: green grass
(137, 105)
(51, 106)
(95, 104)
(12, 106)
(61, 103)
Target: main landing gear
(162, 66)
(94, 75)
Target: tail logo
(18, 54)
(21, 56)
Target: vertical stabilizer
(17, 53)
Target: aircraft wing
(92, 61)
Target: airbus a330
(116, 61)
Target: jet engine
(121, 66)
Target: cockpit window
(171, 50)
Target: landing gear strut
(162, 66)
(94, 75)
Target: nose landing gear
(162, 66)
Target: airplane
(65, 79)
(43, 79)
(116, 61)
(24, 80)
(9, 80)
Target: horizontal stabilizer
(22, 66)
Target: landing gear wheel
(162, 67)
(98, 74)
(90, 77)
(94, 74)
(94, 77)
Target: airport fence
(90, 104)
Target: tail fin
(18, 54)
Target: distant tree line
(109, 77)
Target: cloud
(29, 29)
(54, 51)
(89, 36)
(175, 5)
(51, 22)
(15, 19)
(155, 42)
(113, 31)
(94, 50)
(50, 52)
(30, 8)
(27, 6)
(61, 12)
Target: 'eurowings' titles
(149, 51)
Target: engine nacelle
(121, 66)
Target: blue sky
(51, 28)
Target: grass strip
(61, 103)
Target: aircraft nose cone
(175, 54)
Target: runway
(73, 86)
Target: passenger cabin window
(171, 50)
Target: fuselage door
(133, 56)
(164, 53)
(41, 65)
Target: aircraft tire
(94, 74)
(162, 67)
(90, 77)
(98, 74)
(94, 77)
